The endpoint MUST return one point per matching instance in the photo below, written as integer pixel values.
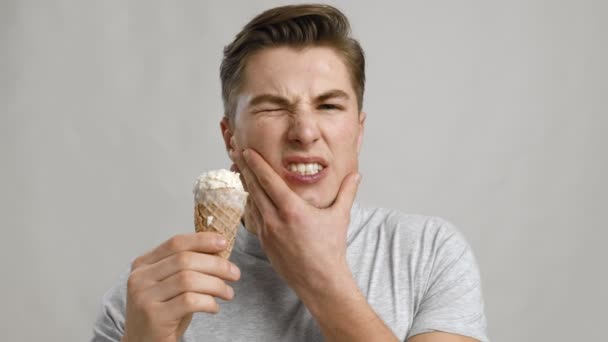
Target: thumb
(347, 193)
(183, 325)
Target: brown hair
(297, 26)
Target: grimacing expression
(297, 108)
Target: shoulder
(110, 320)
(117, 294)
(431, 244)
(415, 229)
(433, 257)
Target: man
(308, 265)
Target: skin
(171, 282)
(287, 215)
(293, 104)
(301, 117)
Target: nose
(303, 129)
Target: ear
(362, 116)
(226, 133)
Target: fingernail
(221, 242)
(230, 291)
(234, 270)
(247, 156)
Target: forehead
(295, 72)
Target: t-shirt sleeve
(109, 326)
(451, 299)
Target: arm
(316, 269)
(451, 301)
(440, 337)
(343, 313)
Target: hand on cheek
(305, 245)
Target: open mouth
(305, 169)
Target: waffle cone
(219, 218)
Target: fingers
(183, 293)
(181, 276)
(193, 261)
(347, 193)
(187, 303)
(204, 242)
(254, 188)
(188, 281)
(269, 180)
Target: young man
(308, 265)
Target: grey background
(491, 114)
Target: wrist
(330, 294)
(343, 313)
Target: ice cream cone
(219, 203)
(219, 218)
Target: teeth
(305, 169)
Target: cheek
(251, 132)
(264, 135)
(343, 140)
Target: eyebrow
(336, 93)
(276, 99)
(282, 101)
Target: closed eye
(329, 106)
(266, 110)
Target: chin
(315, 200)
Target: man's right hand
(171, 282)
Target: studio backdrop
(491, 114)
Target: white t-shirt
(418, 273)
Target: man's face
(298, 109)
